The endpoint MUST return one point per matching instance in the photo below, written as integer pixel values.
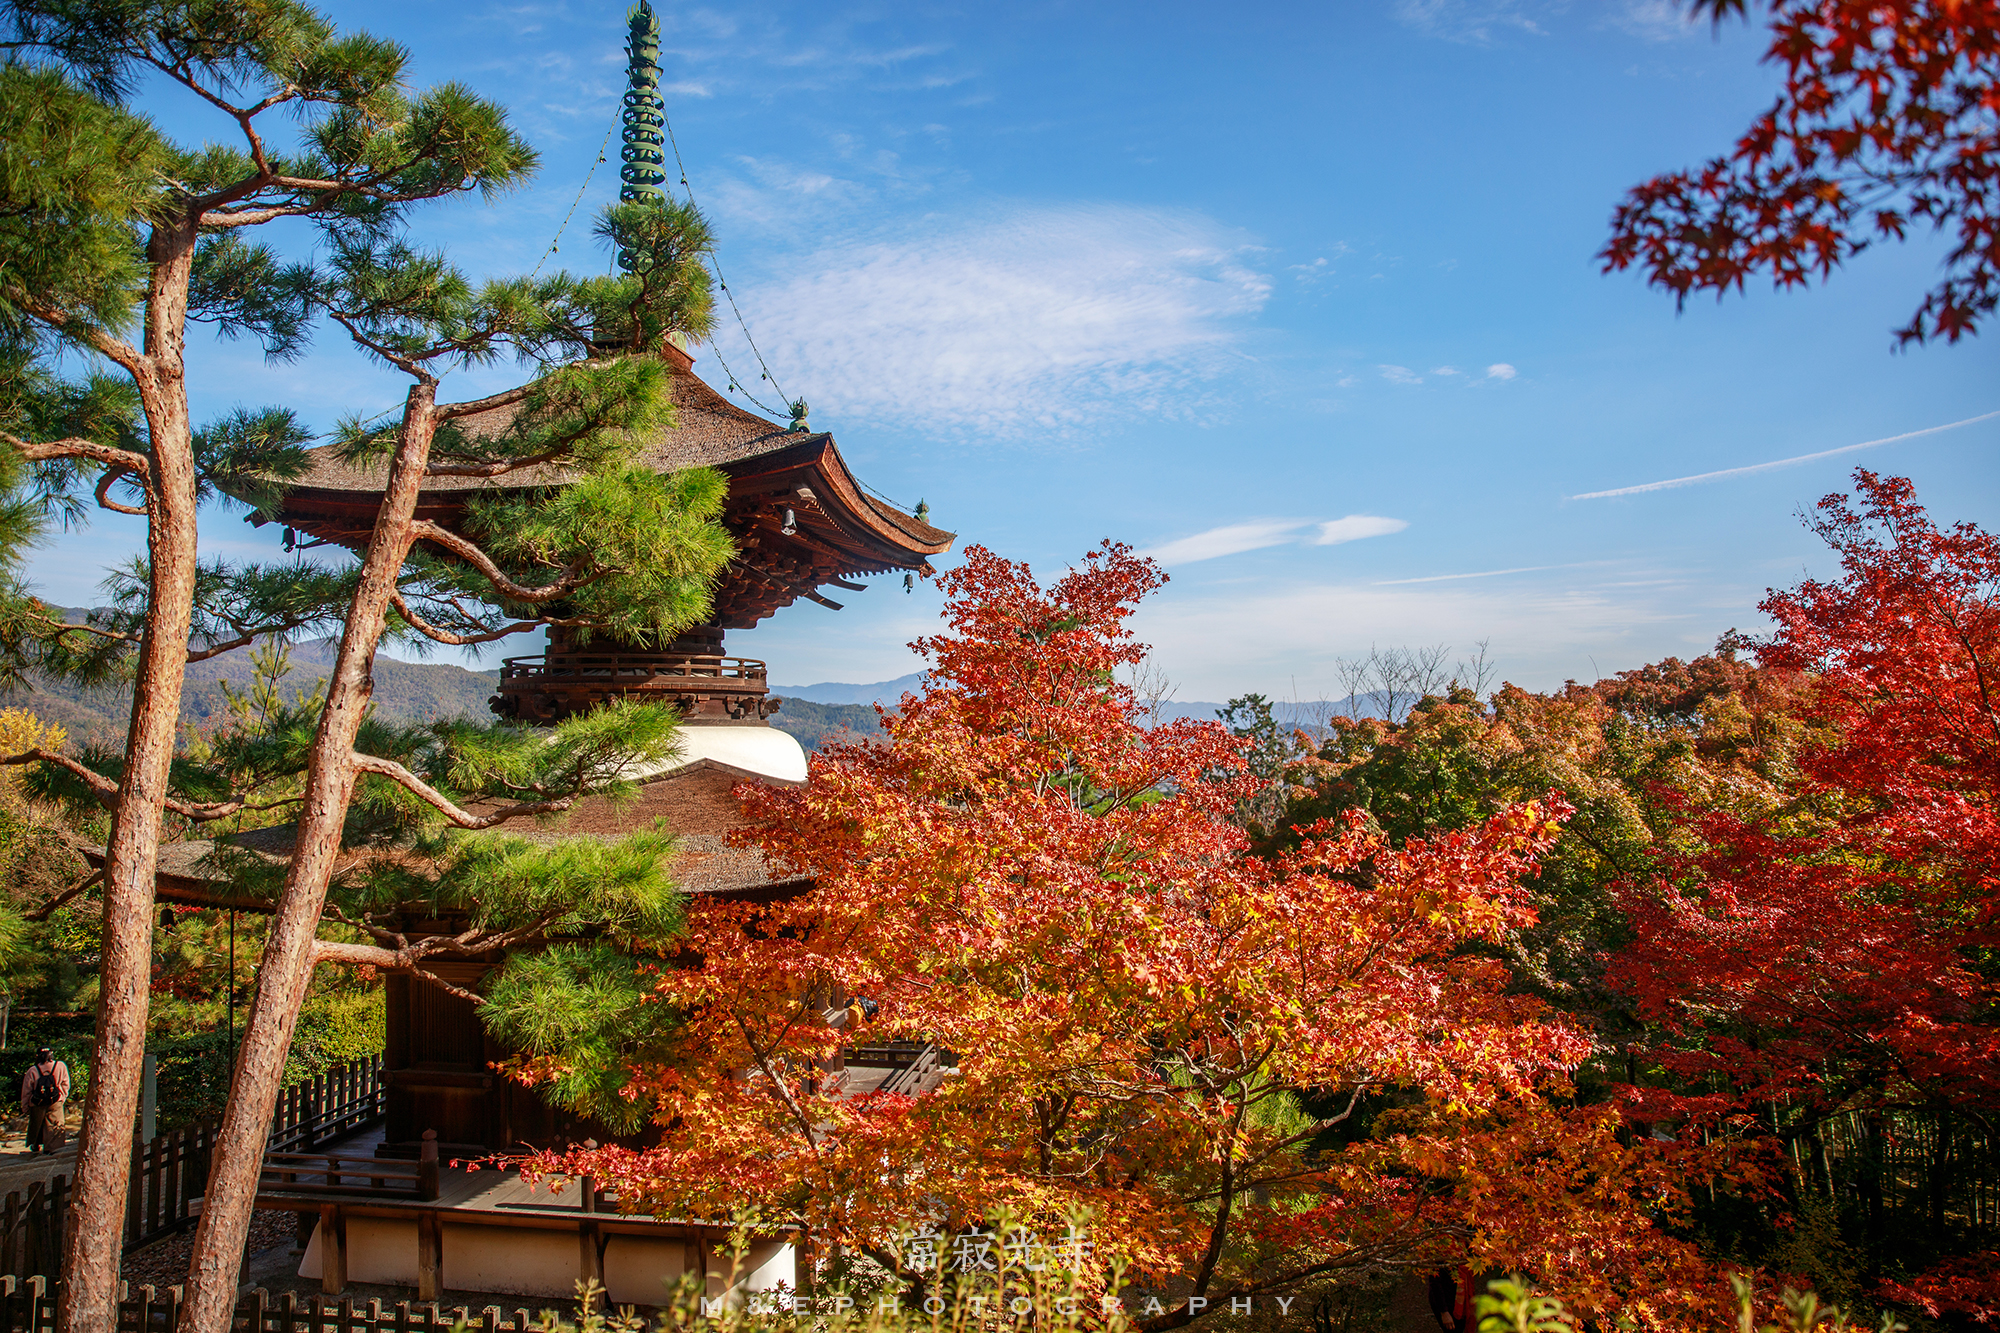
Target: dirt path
(19, 1168)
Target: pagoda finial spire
(645, 115)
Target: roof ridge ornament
(799, 423)
(645, 116)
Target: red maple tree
(1890, 117)
(1238, 1076)
(1828, 955)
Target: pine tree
(97, 206)
(617, 548)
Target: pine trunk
(287, 965)
(94, 1238)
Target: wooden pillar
(332, 1249)
(694, 1264)
(589, 1243)
(427, 1167)
(430, 1256)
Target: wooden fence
(166, 1174)
(329, 1106)
(170, 1172)
(31, 1227)
(30, 1307)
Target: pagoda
(802, 523)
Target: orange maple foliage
(1890, 116)
(1161, 1042)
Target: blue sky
(1300, 298)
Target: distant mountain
(1311, 714)
(833, 692)
(404, 692)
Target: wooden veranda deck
(342, 1188)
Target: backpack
(46, 1092)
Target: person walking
(44, 1091)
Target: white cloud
(1400, 375)
(1231, 539)
(1355, 527)
(1035, 319)
(1256, 534)
(1444, 370)
(1217, 643)
(1501, 371)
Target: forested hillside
(816, 724)
(404, 691)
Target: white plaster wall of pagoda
(522, 1261)
(765, 751)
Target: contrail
(1486, 573)
(1782, 462)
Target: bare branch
(48, 909)
(104, 500)
(505, 398)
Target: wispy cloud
(1230, 539)
(1033, 319)
(1473, 21)
(1501, 371)
(1256, 534)
(1673, 483)
(1654, 20)
(1400, 375)
(1355, 527)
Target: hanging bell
(791, 524)
(909, 583)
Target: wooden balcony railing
(553, 686)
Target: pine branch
(451, 810)
(116, 350)
(425, 530)
(105, 790)
(432, 632)
(403, 961)
(41, 451)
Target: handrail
(646, 665)
(295, 1171)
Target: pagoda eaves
(839, 530)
